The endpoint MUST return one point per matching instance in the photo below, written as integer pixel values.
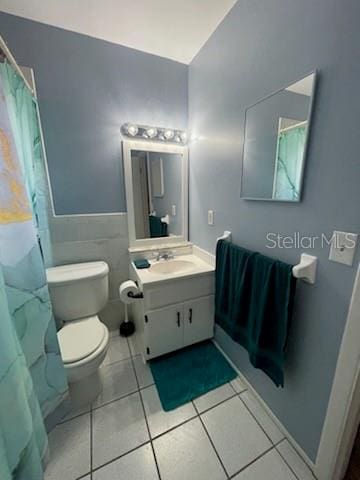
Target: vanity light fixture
(169, 134)
(183, 137)
(151, 132)
(132, 130)
(145, 132)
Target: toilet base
(86, 390)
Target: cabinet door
(163, 331)
(198, 320)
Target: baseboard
(274, 418)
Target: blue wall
(87, 88)
(258, 48)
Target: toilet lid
(80, 338)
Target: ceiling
(175, 29)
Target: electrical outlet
(173, 210)
(210, 217)
(343, 247)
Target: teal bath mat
(186, 374)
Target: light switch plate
(343, 247)
(173, 210)
(210, 217)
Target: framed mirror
(275, 143)
(156, 181)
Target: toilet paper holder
(135, 295)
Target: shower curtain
(23, 114)
(32, 377)
(290, 153)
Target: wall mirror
(156, 180)
(275, 142)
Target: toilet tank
(79, 290)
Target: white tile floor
(125, 434)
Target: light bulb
(183, 136)
(132, 130)
(169, 134)
(152, 132)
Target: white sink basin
(167, 267)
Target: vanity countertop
(180, 267)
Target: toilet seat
(79, 370)
(80, 340)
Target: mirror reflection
(157, 190)
(276, 132)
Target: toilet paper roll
(128, 287)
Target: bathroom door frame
(343, 412)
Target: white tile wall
(86, 238)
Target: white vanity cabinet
(164, 331)
(198, 320)
(174, 314)
(178, 326)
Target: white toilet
(78, 292)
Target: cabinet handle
(190, 315)
(178, 319)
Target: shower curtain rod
(5, 50)
(296, 125)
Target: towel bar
(305, 270)
(166, 219)
(225, 236)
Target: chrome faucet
(167, 255)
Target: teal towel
(141, 263)
(253, 304)
(157, 227)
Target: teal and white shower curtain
(290, 152)
(32, 377)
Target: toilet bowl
(78, 292)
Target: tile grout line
(258, 422)
(213, 406)
(140, 389)
(198, 415)
(288, 464)
(210, 439)
(117, 458)
(267, 435)
(144, 412)
(273, 447)
(115, 399)
(155, 437)
(278, 451)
